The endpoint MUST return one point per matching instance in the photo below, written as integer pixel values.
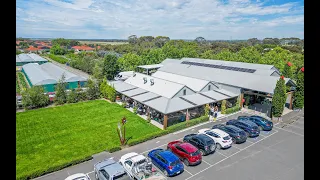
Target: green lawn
(53, 136)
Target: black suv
(203, 142)
(251, 129)
(238, 135)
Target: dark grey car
(110, 170)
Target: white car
(78, 176)
(221, 138)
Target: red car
(189, 154)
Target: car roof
(235, 128)
(169, 156)
(219, 132)
(249, 123)
(203, 137)
(77, 176)
(188, 147)
(111, 167)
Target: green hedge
(114, 149)
(170, 129)
(59, 59)
(52, 169)
(232, 110)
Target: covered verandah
(165, 112)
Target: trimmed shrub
(223, 107)
(114, 149)
(52, 169)
(170, 129)
(58, 59)
(233, 109)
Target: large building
(23, 59)
(48, 75)
(191, 83)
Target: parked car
(251, 129)
(221, 138)
(78, 176)
(139, 167)
(238, 135)
(263, 123)
(166, 161)
(109, 169)
(203, 142)
(186, 152)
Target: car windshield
(209, 133)
(226, 138)
(123, 176)
(210, 141)
(141, 162)
(195, 153)
(175, 163)
(81, 178)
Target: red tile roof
(31, 48)
(83, 48)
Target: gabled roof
(162, 87)
(56, 72)
(29, 58)
(235, 78)
(36, 75)
(86, 48)
(193, 83)
(169, 61)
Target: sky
(177, 19)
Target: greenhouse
(23, 59)
(48, 75)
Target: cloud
(183, 19)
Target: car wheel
(186, 162)
(218, 146)
(234, 141)
(165, 173)
(260, 127)
(202, 152)
(96, 176)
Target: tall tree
(57, 50)
(110, 66)
(200, 40)
(93, 91)
(129, 62)
(133, 39)
(253, 41)
(34, 97)
(287, 71)
(279, 98)
(61, 95)
(161, 40)
(299, 93)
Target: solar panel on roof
(220, 67)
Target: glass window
(104, 173)
(129, 163)
(184, 92)
(209, 87)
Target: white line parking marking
(290, 132)
(250, 141)
(235, 147)
(157, 142)
(262, 135)
(159, 146)
(221, 153)
(89, 173)
(229, 156)
(188, 172)
(206, 162)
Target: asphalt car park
(276, 154)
